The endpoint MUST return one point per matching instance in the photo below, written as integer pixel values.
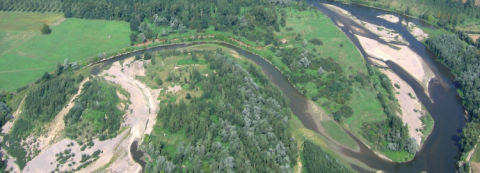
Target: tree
(188, 96)
(133, 37)
(46, 76)
(147, 56)
(320, 71)
(159, 81)
(141, 37)
(134, 24)
(305, 42)
(164, 33)
(194, 57)
(46, 29)
(182, 28)
(153, 61)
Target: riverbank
(393, 47)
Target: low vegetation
(25, 54)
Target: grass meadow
(25, 54)
(364, 101)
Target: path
(57, 125)
(8, 126)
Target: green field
(364, 100)
(25, 54)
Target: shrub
(46, 29)
(316, 41)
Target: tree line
(464, 63)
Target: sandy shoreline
(410, 106)
(405, 57)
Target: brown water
(439, 152)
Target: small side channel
(137, 154)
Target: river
(439, 152)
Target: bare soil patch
(390, 18)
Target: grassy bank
(25, 54)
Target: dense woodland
(464, 61)
(317, 160)
(240, 123)
(95, 114)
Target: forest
(239, 123)
(464, 63)
(316, 158)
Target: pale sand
(408, 105)
(46, 160)
(58, 124)
(474, 36)
(390, 18)
(405, 57)
(475, 167)
(386, 34)
(416, 32)
(338, 9)
(174, 89)
(139, 120)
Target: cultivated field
(25, 54)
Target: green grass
(434, 32)
(428, 123)
(323, 28)
(398, 156)
(189, 62)
(364, 111)
(25, 54)
(337, 133)
(17, 21)
(476, 155)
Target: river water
(439, 152)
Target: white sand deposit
(411, 107)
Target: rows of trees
(255, 20)
(236, 125)
(95, 113)
(464, 63)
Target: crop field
(25, 54)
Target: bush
(289, 29)
(45, 29)
(314, 99)
(316, 41)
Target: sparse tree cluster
(101, 100)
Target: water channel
(439, 152)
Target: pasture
(25, 54)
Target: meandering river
(439, 152)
